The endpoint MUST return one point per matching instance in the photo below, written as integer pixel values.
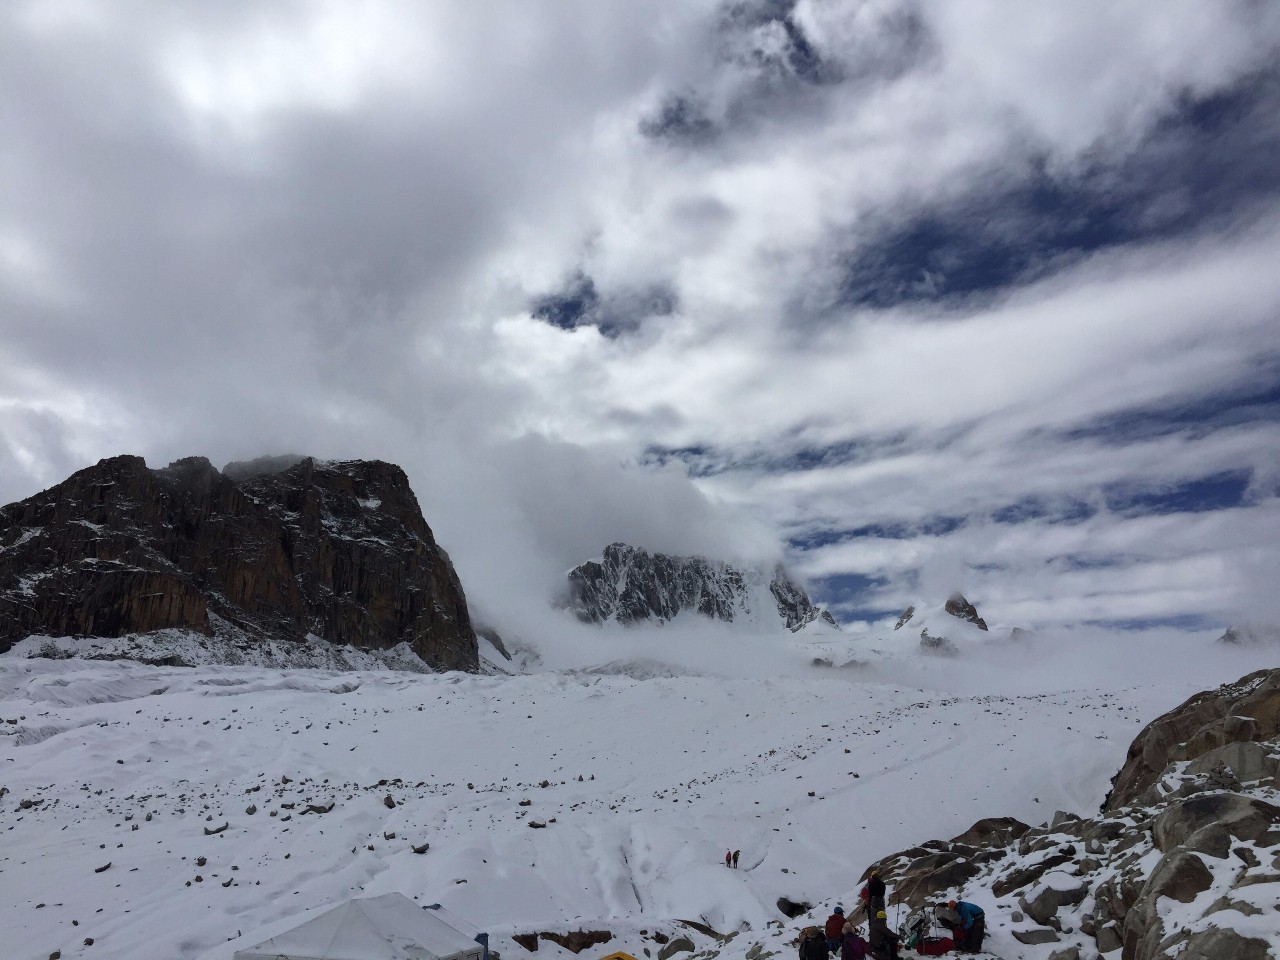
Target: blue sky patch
(1207, 162)
(1220, 491)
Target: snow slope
(641, 784)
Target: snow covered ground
(732, 743)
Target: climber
(968, 923)
(813, 945)
(728, 858)
(882, 940)
(852, 946)
(835, 929)
(875, 893)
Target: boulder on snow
(991, 831)
(1209, 822)
(1246, 710)
(1180, 875)
(1054, 890)
(1036, 935)
(1217, 943)
(1246, 760)
(678, 945)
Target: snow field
(674, 771)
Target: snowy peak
(941, 627)
(630, 585)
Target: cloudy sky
(921, 296)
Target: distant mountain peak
(630, 585)
(962, 609)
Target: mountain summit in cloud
(630, 585)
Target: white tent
(389, 927)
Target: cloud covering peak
(947, 295)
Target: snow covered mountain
(630, 585)
(941, 628)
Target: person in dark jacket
(852, 946)
(813, 945)
(882, 940)
(875, 893)
(835, 929)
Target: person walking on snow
(735, 858)
(835, 929)
(728, 858)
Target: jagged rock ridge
(1192, 825)
(631, 585)
(336, 550)
(938, 643)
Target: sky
(918, 297)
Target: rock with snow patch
(962, 609)
(631, 585)
(1055, 889)
(1210, 822)
(1246, 710)
(336, 550)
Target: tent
(389, 927)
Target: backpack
(935, 946)
(813, 944)
(917, 927)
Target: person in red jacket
(835, 929)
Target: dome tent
(388, 927)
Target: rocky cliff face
(1183, 860)
(631, 585)
(336, 550)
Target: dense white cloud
(323, 227)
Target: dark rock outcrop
(1204, 834)
(1247, 710)
(631, 585)
(336, 550)
(962, 609)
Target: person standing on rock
(735, 858)
(835, 929)
(875, 893)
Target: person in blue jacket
(972, 928)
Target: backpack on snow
(935, 946)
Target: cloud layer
(924, 296)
